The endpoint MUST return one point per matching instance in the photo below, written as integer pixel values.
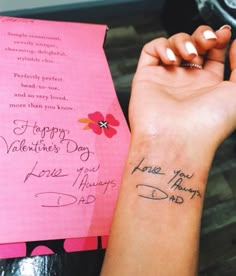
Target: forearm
(156, 225)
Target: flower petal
(96, 116)
(109, 132)
(95, 128)
(111, 120)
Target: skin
(178, 118)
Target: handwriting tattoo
(177, 181)
(148, 169)
(167, 185)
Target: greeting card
(63, 136)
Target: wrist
(172, 169)
(171, 148)
(160, 199)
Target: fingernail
(225, 27)
(170, 54)
(209, 35)
(190, 48)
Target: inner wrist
(172, 148)
(168, 169)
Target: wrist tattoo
(173, 187)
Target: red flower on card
(98, 123)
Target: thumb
(216, 56)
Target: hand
(191, 104)
(178, 116)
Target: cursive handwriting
(148, 169)
(180, 174)
(151, 192)
(25, 146)
(85, 170)
(54, 173)
(55, 199)
(155, 193)
(178, 179)
(178, 186)
(83, 182)
(86, 183)
(41, 146)
(23, 126)
(72, 146)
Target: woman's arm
(157, 221)
(178, 118)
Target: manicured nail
(170, 54)
(209, 35)
(225, 27)
(190, 48)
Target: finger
(204, 39)
(215, 58)
(156, 51)
(185, 48)
(232, 60)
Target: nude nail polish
(170, 54)
(209, 35)
(225, 27)
(190, 48)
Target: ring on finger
(191, 65)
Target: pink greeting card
(63, 136)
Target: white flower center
(103, 124)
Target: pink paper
(13, 250)
(63, 136)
